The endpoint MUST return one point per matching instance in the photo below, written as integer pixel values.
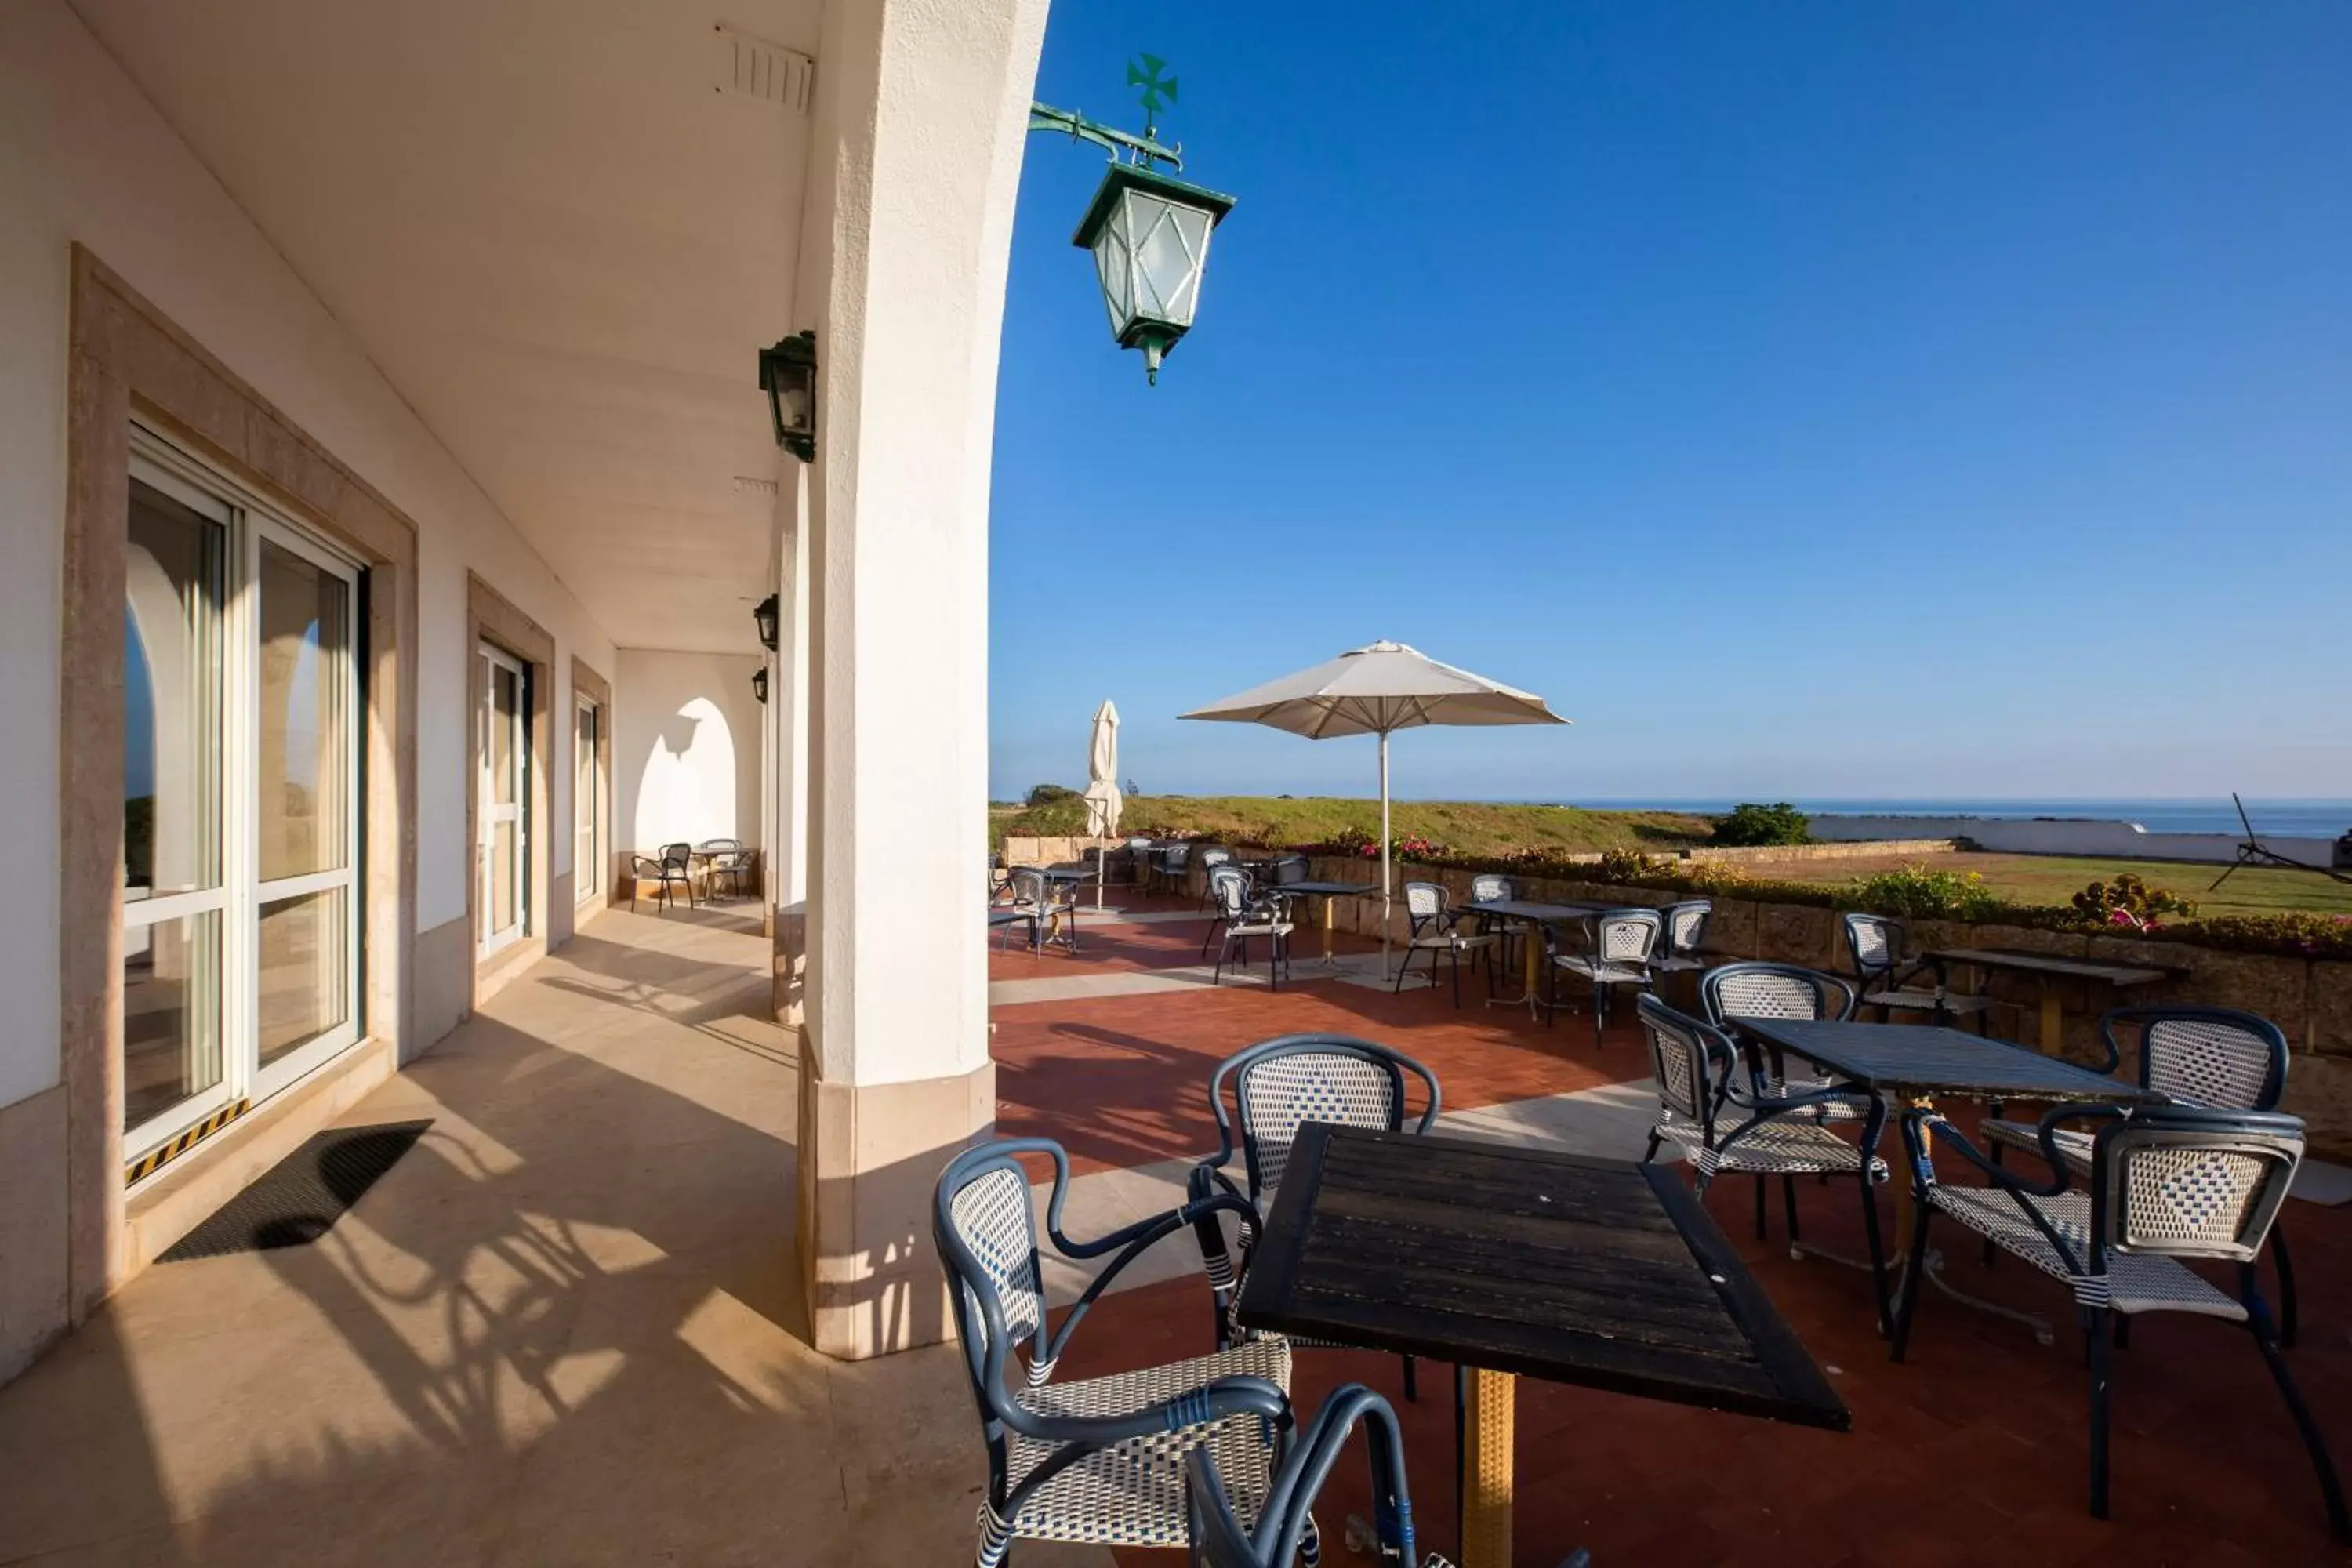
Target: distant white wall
(686, 749)
(2065, 835)
(84, 156)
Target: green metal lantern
(1150, 234)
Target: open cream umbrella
(1104, 803)
(1373, 691)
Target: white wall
(686, 749)
(84, 156)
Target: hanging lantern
(1150, 234)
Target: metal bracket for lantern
(1149, 231)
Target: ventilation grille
(748, 486)
(754, 68)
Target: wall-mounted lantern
(1149, 231)
(759, 684)
(763, 614)
(788, 376)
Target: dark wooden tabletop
(1525, 909)
(1914, 1058)
(1598, 1272)
(1324, 889)
(2119, 974)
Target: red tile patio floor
(1974, 1450)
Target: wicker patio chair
(725, 859)
(2166, 1183)
(1723, 1119)
(1286, 1533)
(671, 866)
(1755, 989)
(1208, 860)
(1432, 927)
(1684, 936)
(2211, 1058)
(1099, 1460)
(1168, 866)
(1622, 943)
(1879, 950)
(1042, 902)
(1240, 915)
(1492, 888)
(1278, 1085)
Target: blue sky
(1745, 379)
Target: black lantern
(759, 684)
(788, 376)
(764, 614)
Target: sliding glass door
(587, 846)
(502, 744)
(240, 818)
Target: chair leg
(2287, 1314)
(1911, 1278)
(1457, 976)
(1600, 1001)
(1412, 1383)
(1760, 1208)
(1652, 1151)
(1878, 1247)
(2096, 1333)
(2313, 1444)
(1789, 1206)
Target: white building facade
(387, 491)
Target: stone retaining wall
(2310, 999)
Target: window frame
(587, 831)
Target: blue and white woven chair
(1432, 927)
(1240, 915)
(1278, 1085)
(1492, 888)
(1754, 989)
(1042, 903)
(1879, 950)
(1099, 1460)
(2166, 1183)
(1622, 943)
(1724, 1120)
(1286, 1533)
(2211, 1058)
(1208, 860)
(1685, 935)
(1168, 866)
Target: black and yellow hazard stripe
(155, 1159)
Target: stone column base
(869, 1157)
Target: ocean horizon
(2287, 818)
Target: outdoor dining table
(1911, 1064)
(2049, 969)
(1327, 892)
(1534, 917)
(1516, 1262)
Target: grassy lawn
(1465, 828)
(2055, 880)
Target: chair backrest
(1686, 926)
(2189, 1183)
(718, 846)
(679, 856)
(1753, 989)
(986, 1234)
(1283, 1083)
(1874, 942)
(1627, 936)
(2217, 1057)
(1422, 901)
(1492, 888)
(1686, 1056)
(1028, 885)
(1214, 858)
(1289, 869)
(1217, 1538)
(1177, 855)
(1229, 886)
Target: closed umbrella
(1373, 691)
(1104, 803)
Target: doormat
(302, 1195)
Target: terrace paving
(562, 1329)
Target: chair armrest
(1920, 1125)
(1137, 1239)
(1238, 1396)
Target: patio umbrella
(1104, 802)
(1373, 691)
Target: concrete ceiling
(556, 233)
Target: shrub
(1047, 793)
(2131, 902)
(1750, 824)
(1917, 891)
(1631, 866)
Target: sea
(2284, 818)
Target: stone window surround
(491, 617)
(125, 357)
(587, 683)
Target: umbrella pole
(1384, 855)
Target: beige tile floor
(560, 1331)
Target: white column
(921, 120)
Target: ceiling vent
(754, 68)
(745, 485)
